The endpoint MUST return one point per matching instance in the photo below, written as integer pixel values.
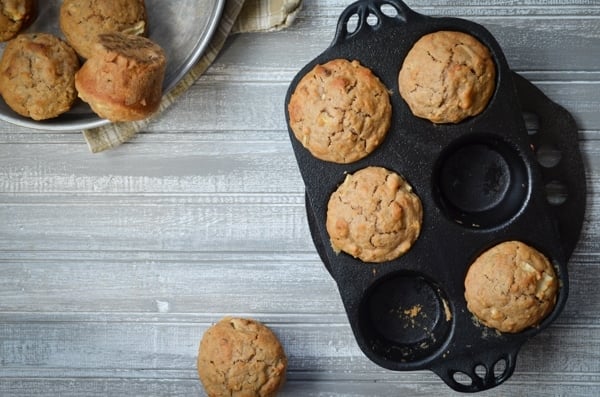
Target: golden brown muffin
(374, 215)
(123, 80)
(81, 21)
(37, 75)
(340, 111)
(447, 76)
(15, 15)
(511, 287)
(241, 358)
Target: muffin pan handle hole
(556, 193)
(369, 15)
(462, 379)
(479, 376)
(500, 368)
(548, 156)
(532, 122)
(389, 10)
(481, 371)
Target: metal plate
(182, 28)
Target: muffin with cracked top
(374, 215)
(340, 111)
(447, 76)
(511, 287)
(37, 75)
(241, 358)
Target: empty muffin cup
(480, 181)
(404, 318)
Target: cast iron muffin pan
(483, 181)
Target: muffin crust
(123, 80)
(241, 358)
(374, 215)
(447, 76)
(37, 75)
(82, 21)
(15, 15)
(511, 287)
(340, 111)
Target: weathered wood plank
(145, 226)
(194, 287)
(547, 43)
(173, 346)
(75, 387)
(193, 164)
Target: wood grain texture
(113, 265)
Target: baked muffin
(374, 215)
(241, 358)
(511, 287)
(37, 75)
(340, 111)
(81, 21)
(123, 80)
(447, 76)
(15, 15)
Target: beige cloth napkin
(239, 16)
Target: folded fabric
(266, 15)
(238, 16)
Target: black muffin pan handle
(369, 15)
(410, 313)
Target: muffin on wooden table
(241, 358)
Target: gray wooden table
(112, 265)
